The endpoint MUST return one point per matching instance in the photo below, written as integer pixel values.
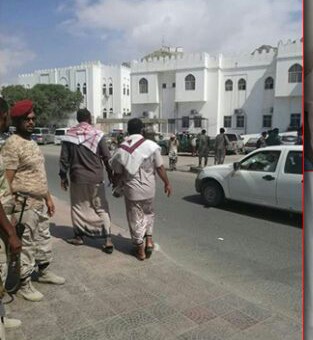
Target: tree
(14, 93)
(52, 102)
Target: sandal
(108, 245)
(107, 249)
(149, 246)
(140, 254)
(76, 241)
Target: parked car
(236, 144)
(251, 144)
(43, 135)
(59, 134)
(270, 176)
(289, 139)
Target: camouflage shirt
(24, 156)
(6, 197)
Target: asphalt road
(254, 252)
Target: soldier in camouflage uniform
(26, 173)
(8, 238)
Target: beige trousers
(90, 210)
(140, 217)
(36, 241)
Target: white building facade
(244, 93)
(105, 88)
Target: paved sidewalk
(118, 297)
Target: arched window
(241, 84)
(78, 87)
(66, 86)
(128, 90)
(104, 113)
(110, 88)
(84, 88)
(111, 111)
(124, 89)
(228, 85)
(269, 83)
(143, 85)
(190, 83)
(295, 74)
(104, 89)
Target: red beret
(21, 108)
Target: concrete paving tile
(261, 335)
(150, 332)
(160, 310)
(86, 333)
(278, 324)
(177, 323)
(217, 328)
(117, 278)
(274, 328)
(120, 304)
(178, 301)
(255, 312)
(239, 320)
(199, 314)
(69, 316)
(112, 328)
(34, 314)
(219, 307)
(138, 318)
(247, 307)
(161, 289)
(15, 334)
(39, 331)
(198, 334)
(144, 299)
(94, 308)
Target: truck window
(293, 163)
(265, 161)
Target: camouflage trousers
(3, 267)
(140, 217)
(219, 156)
(36, 242)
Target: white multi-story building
(106, 88)
(243, 93)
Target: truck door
(256, 180)
(289, 187)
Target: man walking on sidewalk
(204, 145)
(84, 154)
(135, 163)
(221, 142)
(25, 170)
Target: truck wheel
(212, 193)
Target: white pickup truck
(270, 176)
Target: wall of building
(209, 99)
(94, 75)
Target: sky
(44, 34)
